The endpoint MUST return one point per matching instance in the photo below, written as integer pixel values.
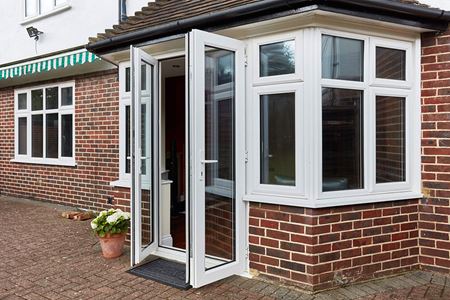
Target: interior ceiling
(173, 67)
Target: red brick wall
(97, 150)
(435, 207)
(322, 248)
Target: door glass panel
(220, 157)
(147, 214)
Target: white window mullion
(28, 114)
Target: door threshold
(164, 271)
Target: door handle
(210, 161)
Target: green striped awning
(48, 64)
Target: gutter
(431, 18)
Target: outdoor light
(34, 32)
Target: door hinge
(245, 57)
(246, 156)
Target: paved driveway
(43, 256)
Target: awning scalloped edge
(48, 64)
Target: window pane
(225, 115)
(390, 118)
(342, 58)
(51, 136)
(51, 98)
(46, 5)
(31, 8)
(37, 142)
(342, 139)
(37, 100)
(66, 96)
(127, 140)
(278, 139)
(277, 59)
(23, 136)
(225, 69)
(127, 79)
(66, 136)
(143, 78)
(22, 101)
(143, 139)
(391, 63)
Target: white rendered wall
(66, 29)
(442, 4)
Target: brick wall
(435, 207)
(97, 150)
(322, 248)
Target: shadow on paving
(43, 256)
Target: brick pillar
(435, 207)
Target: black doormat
(163, 271)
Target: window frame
(28, 113)
(39, 13)
(394, 45)
(124, 179)
(300, 160)
(401, 185)
(298, 38)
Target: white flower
(113, 218)
(126, 215)
(93, 224)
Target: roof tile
(164, 11)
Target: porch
(43, 256)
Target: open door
(144, 155)
(217, 155)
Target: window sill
(47, 14)
(49, 162)
(332, 202)
(125, 183)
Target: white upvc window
(35, 8)
(125, 127)
(45, 124)
(346, 125)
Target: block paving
(43, 256)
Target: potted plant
(111, 226)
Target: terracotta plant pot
(112, 245)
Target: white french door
(145, 161)
(217, 156)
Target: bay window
(45, 125)
(342, 129)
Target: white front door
(145, 161)
(217, 156)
